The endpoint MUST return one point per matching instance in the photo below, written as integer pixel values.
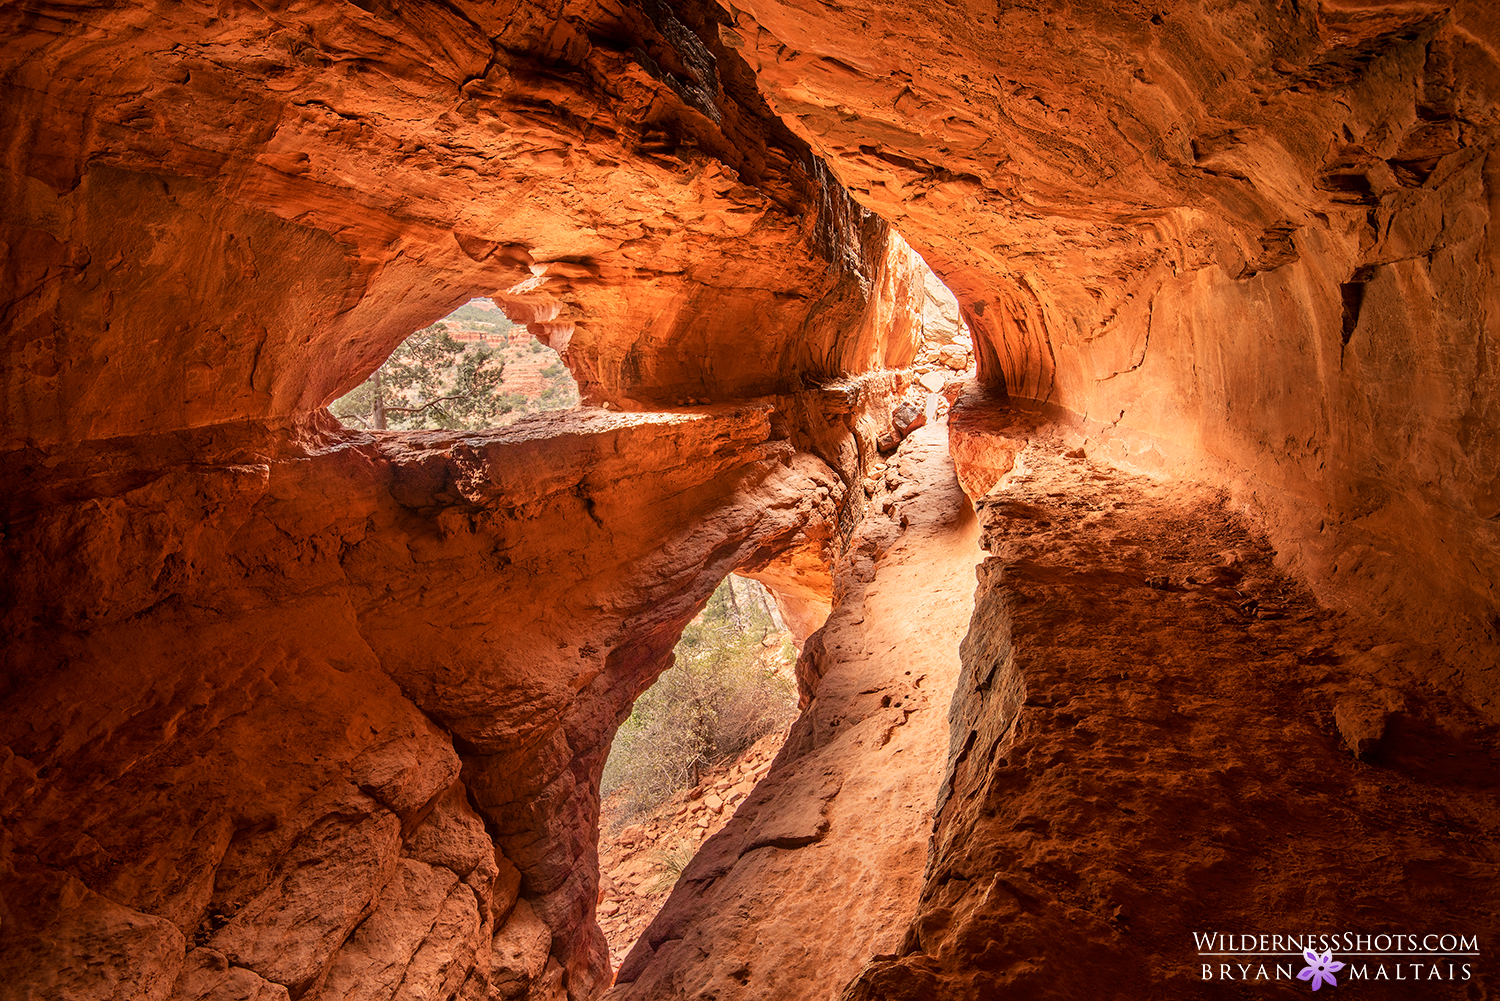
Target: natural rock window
(694, 746)
(1147, 586)
(471, 370)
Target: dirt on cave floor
(884, 641)
(833, 839)
(1160, 731)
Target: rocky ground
(822, 865)
(641, 857)
(1159, 731)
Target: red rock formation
(294, 712)
(1158, 732)
(225, 218)
(317, 711)
(1258, 235)
(289, 710)
(818, 870)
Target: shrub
(429, 381)
(721, 695)
(667, 866)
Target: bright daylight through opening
(695, 744)
(471, 370)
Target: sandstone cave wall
(332, 709)
(214, 217)
(289, 711)
(1157, 733)
(1254, 239)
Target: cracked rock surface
(1259, 238)
(325, 715)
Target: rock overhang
(215, 225)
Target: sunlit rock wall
(1158, 734)
(1256, 237)
(294, 712)
(212, 217)
(289, 711)
(319, 709)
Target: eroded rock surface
(321, 713)
(292, 712)
(1152, 737)
(1260, 235)
(817, 870)
(212, 218)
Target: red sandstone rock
(402, 950)
(955, 357)
(244, 655)
(1140, 751)
(207, 976)
(216, 219)
(520, 952)
(278, 791)
(1259, 235)
(846, 806)
(982, 453)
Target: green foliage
(358, 401)
(433, 380)
(478, 318)
(563, 392)
(430, 381)
(667, 865)
(719, 697)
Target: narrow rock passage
(821, 868)
(1161, 733)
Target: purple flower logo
(1319, 968)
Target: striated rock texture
(212, 216)
(1257, 234)
(1156, 733)
(293, 712)
(287, 711)
(308, 713)
(819, 868)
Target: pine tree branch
(430, 403)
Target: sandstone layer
(818, 869)
(1156, 733)
(211, 218)
(292, 710)
(309, 709)
(1260, 236)
(287, 711)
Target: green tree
(719, 697)
(430, 381)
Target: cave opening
(692, 749)
(471, 370)
(300, 713)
